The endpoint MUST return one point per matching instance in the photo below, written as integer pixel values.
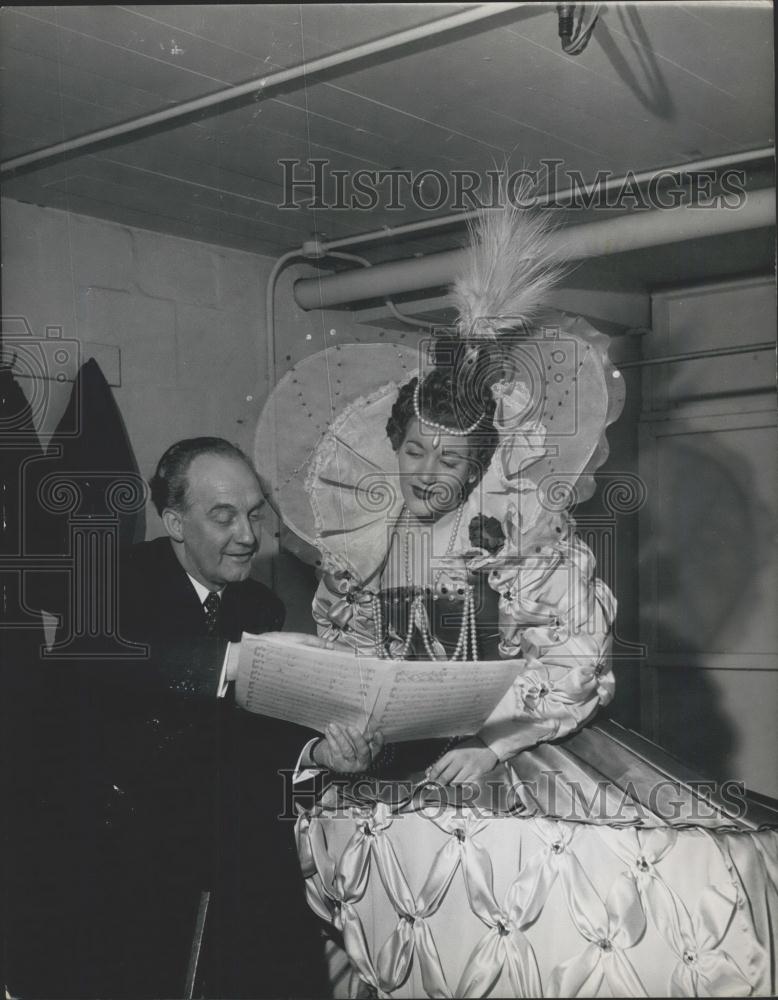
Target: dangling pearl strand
(378, 624)
(417, 610)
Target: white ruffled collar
(537, 470)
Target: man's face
(217, 535)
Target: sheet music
(421, 698)
(303, 680)
(288, 676)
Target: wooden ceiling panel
(263, 144)
(266, 35)
(282, 35)
(175, 206)
(658, 84)
(626, 74)
(29, 106)
(421, 139)
(202, 201)
(715, 51)
(205, 64)
(322, 135)
(670, 111)
(114, 60)
(26, 70)
(327, 28)
(196, 159)
(25, 30)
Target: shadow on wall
(707, 557)
(293, 577)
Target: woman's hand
(346, 749)
(317, 641)
(469, 761)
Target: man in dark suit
(181, 753)
(215, 794)
(161, 791)
(210, 502)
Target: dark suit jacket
(220, 768)
(149, 791)
(168, 734)
(157, 600)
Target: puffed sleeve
(344, 612)
(557, 615)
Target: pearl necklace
(417, 614)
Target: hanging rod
(713, 352)
(261, 85)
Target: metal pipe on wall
(304, 72)
(592, 239)
(557, 197)
(713, 352)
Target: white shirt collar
(203, 592)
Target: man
(216, 767)
(219, 766)
(172, 794)
(181, 754)
(195, 580)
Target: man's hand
(469, 761)
(346, 749)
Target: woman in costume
(439, 509)
(448, 586)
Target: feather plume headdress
(510, 265)
(327, 481)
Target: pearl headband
(456, 431)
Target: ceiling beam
(302, 75)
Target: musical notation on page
(305, 680)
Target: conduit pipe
(713, 352)
(304, 72)
(592, 239)
(560, 197)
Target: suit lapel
(182, 606)
(230, 625)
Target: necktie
(211, 609)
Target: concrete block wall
(184, 319)
(178, 328)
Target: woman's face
(435, 469)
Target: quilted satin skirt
(598, 866)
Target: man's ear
(173, 523)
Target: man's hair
(170, 482)
(438, 402)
